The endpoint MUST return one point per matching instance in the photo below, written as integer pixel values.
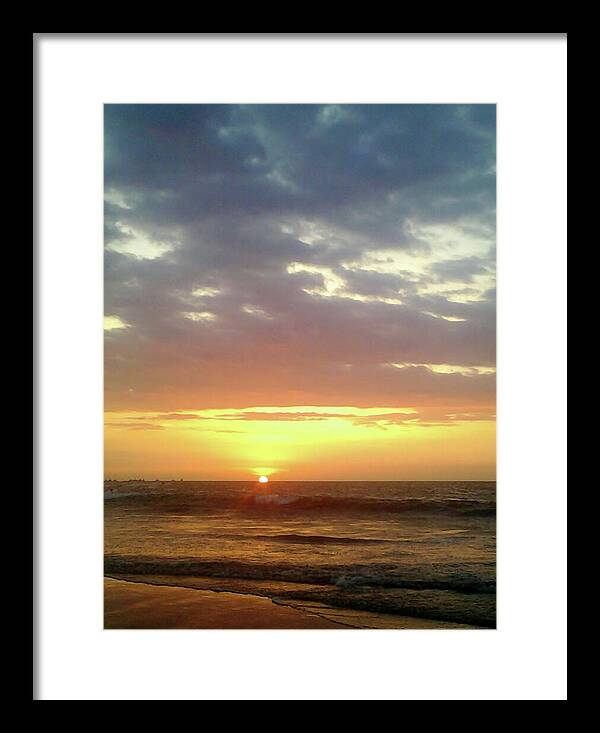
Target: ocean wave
(379, 575)
(284, 503)
(308, 539)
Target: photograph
(299, 366)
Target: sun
(263, 479)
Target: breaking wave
(374, 575)
(290, 504)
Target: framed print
(301, 317)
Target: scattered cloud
(285, 255)
(359, 417)
(206, 316)
(112, 323)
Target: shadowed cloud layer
(300, 255)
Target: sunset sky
(302, 291)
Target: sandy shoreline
(135, 604)
(130, 605)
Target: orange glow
(263, 480)
(306, 442)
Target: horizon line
(245, 481)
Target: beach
(129, 605)
(134, 604)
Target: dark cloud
(462, 270)
(134, 425)
(277, 255)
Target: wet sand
(140, 606)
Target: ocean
(360, 553)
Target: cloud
(281, 255)
(112, 323)
(134, 425)
(359, 417)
